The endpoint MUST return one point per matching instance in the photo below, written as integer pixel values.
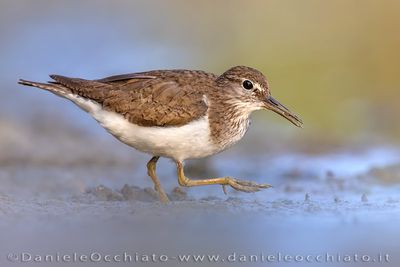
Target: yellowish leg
(240, 185)
(151, 171)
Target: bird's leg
(151, 171)
(240, 185)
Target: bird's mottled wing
(156, 102)
(146, 99)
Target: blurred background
(335, 63)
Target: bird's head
(249, 89)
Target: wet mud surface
(319, 203)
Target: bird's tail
(55, 88)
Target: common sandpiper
(176, 114)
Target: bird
(177, 114)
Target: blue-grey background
(336, 182)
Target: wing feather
(147, 99)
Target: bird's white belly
(179, 143)
(189, 141)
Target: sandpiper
(177, 114)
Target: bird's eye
(247, 85)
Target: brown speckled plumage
(154, 98)
(158, 98)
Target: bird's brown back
(154, 98)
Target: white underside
(179, 143)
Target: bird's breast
(228, 130)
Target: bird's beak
(275, 106)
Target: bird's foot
(245, 186)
